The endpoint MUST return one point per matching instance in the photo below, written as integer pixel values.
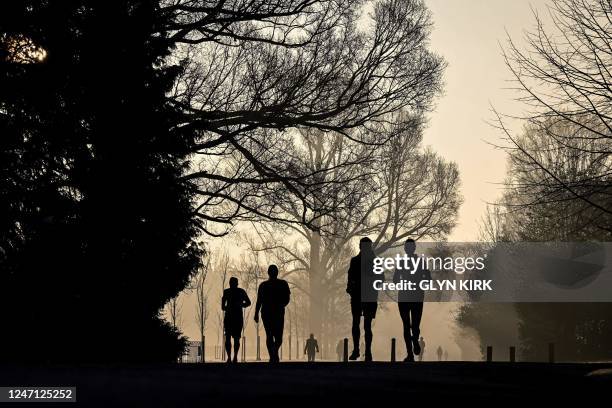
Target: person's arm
(223, 301)
(258, 304)
(317, 345)
(350, 282)
(287, 294)
(246, 302)
(305, 346)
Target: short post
(345, 351)
(393, 350)
(258, 357)
(289, 347)
(551, 352)
(489, 354)
(512, 354)
(243, 349)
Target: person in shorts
(364, 298)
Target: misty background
(470, 36)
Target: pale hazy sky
(468, 33)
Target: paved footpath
(320, 384)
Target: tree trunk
(315, 277)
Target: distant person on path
(364, 298)
(445, 355)
(439, 353)
(422, 344)
(410, 302)
(340, 350)
(233, 301)
(272, 297)
(311, 348)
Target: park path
(330, 383)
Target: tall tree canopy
(98, 232)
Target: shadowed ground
(330, 383)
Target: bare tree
(536, 206)
(493, 226)
(397, 190)
(174, 310)
(564, 77)
(221, 267)
(201, 292)
(254, 72)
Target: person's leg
(416, 312)
(404, 310)
(269, 338)
(369, 314)
(279, 327)
(236, 347)
(356, 313)
(367, 328)
(228, 346)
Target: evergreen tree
(97, 232)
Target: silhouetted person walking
(272, 297)
(410, 302)
(445, 355)
(311, 348)
(422, 344)
(233, 301)
(439, 352)
(364, 297)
